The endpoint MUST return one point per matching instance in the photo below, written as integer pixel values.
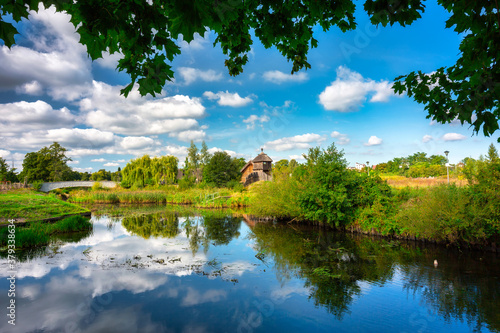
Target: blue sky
(51, 91)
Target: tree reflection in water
(333, 265)
(202, 229)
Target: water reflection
(166, 270)
(464, 287)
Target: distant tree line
(415, 166)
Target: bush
(97, 186)
(37, 184)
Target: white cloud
(373, 141)
(106, 109)
(228, 99)
(73, 162)
(295, 142)
(280, 77)
(109, 60)
(250, 121)
(31, 88)
(427, 138)
(229, 152)
(74, 138)
(111, 164)
(453, 137)
(89, 169)
(342, 139)
(22, 117)
(4, 153)
(176, 150)
(191, 75)
(187, 136)
(198, 43)
(101, 160)
(136, 142)
(55, 62)
(297, 157)
(350, 90)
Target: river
(173, 269)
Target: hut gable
(257, 169)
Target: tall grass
(208, 197)
(445, 213)
(38, 234)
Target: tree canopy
(47, 164)
(146, 33)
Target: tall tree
(468, 90)
(204, 154)
(47, 164)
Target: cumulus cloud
(228, 99)
(106, 109)
(112, 164)
(373, 141)
(279, 77)
(4, 153)
(295, 142)
(350, 90)
(427, 138)
(136, 142)
(253, 119)
(20, 117)
(176, 150)
(342, 139)
(74, 138)
(190, 75)
(229, 152)
(187, 136)
(101, 160)
(453, 137)
(55, 62)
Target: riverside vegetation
(322, 190)
(39, 234)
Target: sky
(51, 91)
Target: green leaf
(7, 33)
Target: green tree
(6, 173)
(47, 164)
(149, 38)
(221, 169)
(150, 171)
(204, 154)
(102, 174)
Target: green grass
(39, 234)
(28, 205)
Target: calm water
(168, 271)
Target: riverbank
(27, 205)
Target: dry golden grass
(400, 181)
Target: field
(401, 181)
(26, 205)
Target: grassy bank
(202, 198)
(27, 205)
(39, 234)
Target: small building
(360, 166)
(257, 169)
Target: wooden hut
(257, 169)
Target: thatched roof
(262, 157)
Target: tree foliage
(147, 34)
(221, 169)
(144, 171)
(6, 173)
(47, 164)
